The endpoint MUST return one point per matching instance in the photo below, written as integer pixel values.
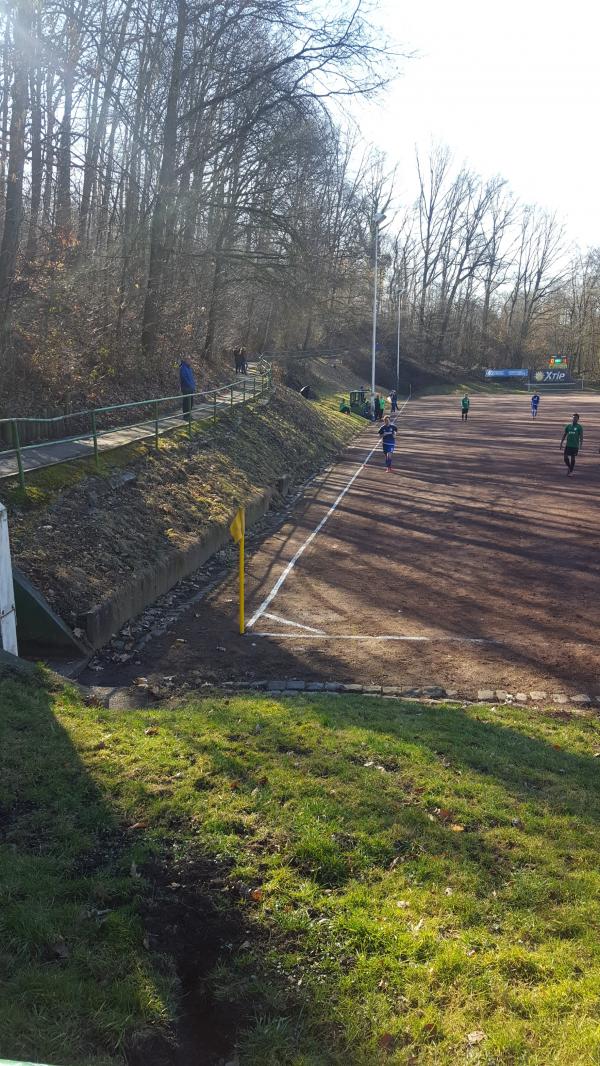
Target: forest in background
(180, 176)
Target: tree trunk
(167, 188)
(63, 166)
(98, 127)
(36, 161)
(4, 118)
(16, 162)
(48, 153)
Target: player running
(535, 403)
(573, 435)
(388, 439)
(465, 403)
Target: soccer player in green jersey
(465, 403)
(573, 435)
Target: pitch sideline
(290, 566)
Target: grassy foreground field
(328, 879)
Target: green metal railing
(157, 420)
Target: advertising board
(551, 377)
(507, 373)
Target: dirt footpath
(474, 564)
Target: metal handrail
(209, 397)
(112, 407)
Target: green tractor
(359, 404)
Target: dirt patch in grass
(190, 920)
(80, 544)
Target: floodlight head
(379, 217)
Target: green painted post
(190, 419)
(214, 406)
(254, 387)
(156, 437)
(95, 436)
(17, 444)
(231, 404)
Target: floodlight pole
(377, 219)
(398, 343)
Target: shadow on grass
(96, 949)
(526, 766)
(352, 788)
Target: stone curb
(136, 697)
(281, 686)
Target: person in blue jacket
(187, 382)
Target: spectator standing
(187, 383)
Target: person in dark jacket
(187, 382)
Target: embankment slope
(78, 546)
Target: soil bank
(80, 545)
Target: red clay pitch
(477, 549)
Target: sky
(511, 87)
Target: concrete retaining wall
(102, 622)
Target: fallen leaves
(443, 814)
(476, 1037)
(446, 817)
(246, 892)
(387, 1042)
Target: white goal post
(8, 620)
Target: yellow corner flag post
(238, 532)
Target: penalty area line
(290, 566)
(382, 637)
(297, 625)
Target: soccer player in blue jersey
(388, 439)
(535, 403)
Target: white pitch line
(290, 566)
(362, 636)
(298, 625)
